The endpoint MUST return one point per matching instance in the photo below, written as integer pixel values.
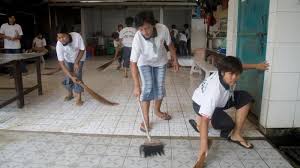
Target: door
(251, 45)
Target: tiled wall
(232, 27)
(281, 93)
(281, 96)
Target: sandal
(164, 116)
(240, 143)
(143, 129)
(68, 98)
(194, 124)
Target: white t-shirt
(182, 37)
(39, 42)
(127, 35)
(70, 52)
(151, 52)
(211, 94)
(175, 32)
(11, 31)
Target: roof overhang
(93, 3)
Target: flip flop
(240, 143)
(143, 129)
(194, 124)
(165, 116)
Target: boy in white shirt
(126, 36)
(148, 61)
(39, 43)
(70, 51)
(12, 33)
(215, 94)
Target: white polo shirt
(70, 52)
(211, 94)
(39, 42)
(11, 31)
(151, 52)
(127, 35)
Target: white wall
(281, 96)
(232, 27)
(281, 93)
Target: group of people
(181, 40)
(143, 48)
(11, 33)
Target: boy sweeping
(70, 51)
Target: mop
(150, 147)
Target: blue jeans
(153, 82)
(16, 51)
(68, 83)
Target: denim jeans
(153, 82)
(68, 83)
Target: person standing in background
(126, 37)
(12, 33)
(187, 32)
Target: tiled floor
(53, 150)
(50, 133)
(51, 114)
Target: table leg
(19, 84)
(38, 75)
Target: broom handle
(147, 131)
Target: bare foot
(79, 102)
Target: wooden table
(16, 60)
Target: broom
(52, 72)
(96, 96)
(200, 162)
(104, 66)
(150, 147)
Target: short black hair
(230, 64)
(62, 29)
(129, 21)
(144, 16)
(186, 26)
(173, 26)
(10, 14)
(115, 35)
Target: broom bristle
(148, 149)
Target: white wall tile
(229, 48)
(286, 58)
(273, 6)
(287, 27)
(267, 85)
(298, 97)
(284, 86)
(281, 114)
(289, 5)
(297, 115)
(272, 27)
(264, 112)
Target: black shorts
(220, 119)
